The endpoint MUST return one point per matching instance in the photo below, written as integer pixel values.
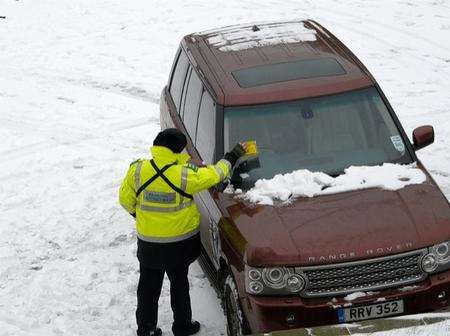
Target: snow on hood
(304, 183)
(241, 38)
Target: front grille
(365, 275)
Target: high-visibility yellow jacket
(162, 214)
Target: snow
(356, 295)
(79, 92)
(407, 288)
(304, 183)
(237, 38)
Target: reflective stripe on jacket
(162, 214)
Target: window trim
(220, 141)
(184, 92)
(184, 84)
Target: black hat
(171, 138)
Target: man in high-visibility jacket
(158, 193)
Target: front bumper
(266, 314)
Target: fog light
(429, 263)
(290, 319)
(254, 274)
(295, 283)
(255, 287)
(442, 296)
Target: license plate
(381, 309)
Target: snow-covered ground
(79, 89)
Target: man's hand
(244, 145)
(239, 150)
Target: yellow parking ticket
(252, 148)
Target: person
(158, 193)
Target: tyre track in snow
(124, 88)
(404, 50)
(70, 135)
(390, 28)
(72, 139)
(340, 19)
(66, 135)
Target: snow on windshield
(304, 183)
(241, 38)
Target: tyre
(236, 322)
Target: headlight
(437, 259)
(275, 277)
(274, 280)
(442, 252)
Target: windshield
(326, 134)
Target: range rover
(309, 103)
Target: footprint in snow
(118, 240)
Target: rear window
(283, 72)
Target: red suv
(310, 104)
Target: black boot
(155, 332)
(186, 330)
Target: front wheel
(236, 323)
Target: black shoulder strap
(174, 187)
(154, 177)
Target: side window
(183, 95)
(178, 77)
(206, 129)
(191, 104)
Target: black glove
(237, 152)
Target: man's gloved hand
(237, 152)
(240, 149)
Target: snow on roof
(304, 183)
(237, 38)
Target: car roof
(245, 64)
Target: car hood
(342, 227)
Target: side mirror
(423, 136)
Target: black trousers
(149, 290)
